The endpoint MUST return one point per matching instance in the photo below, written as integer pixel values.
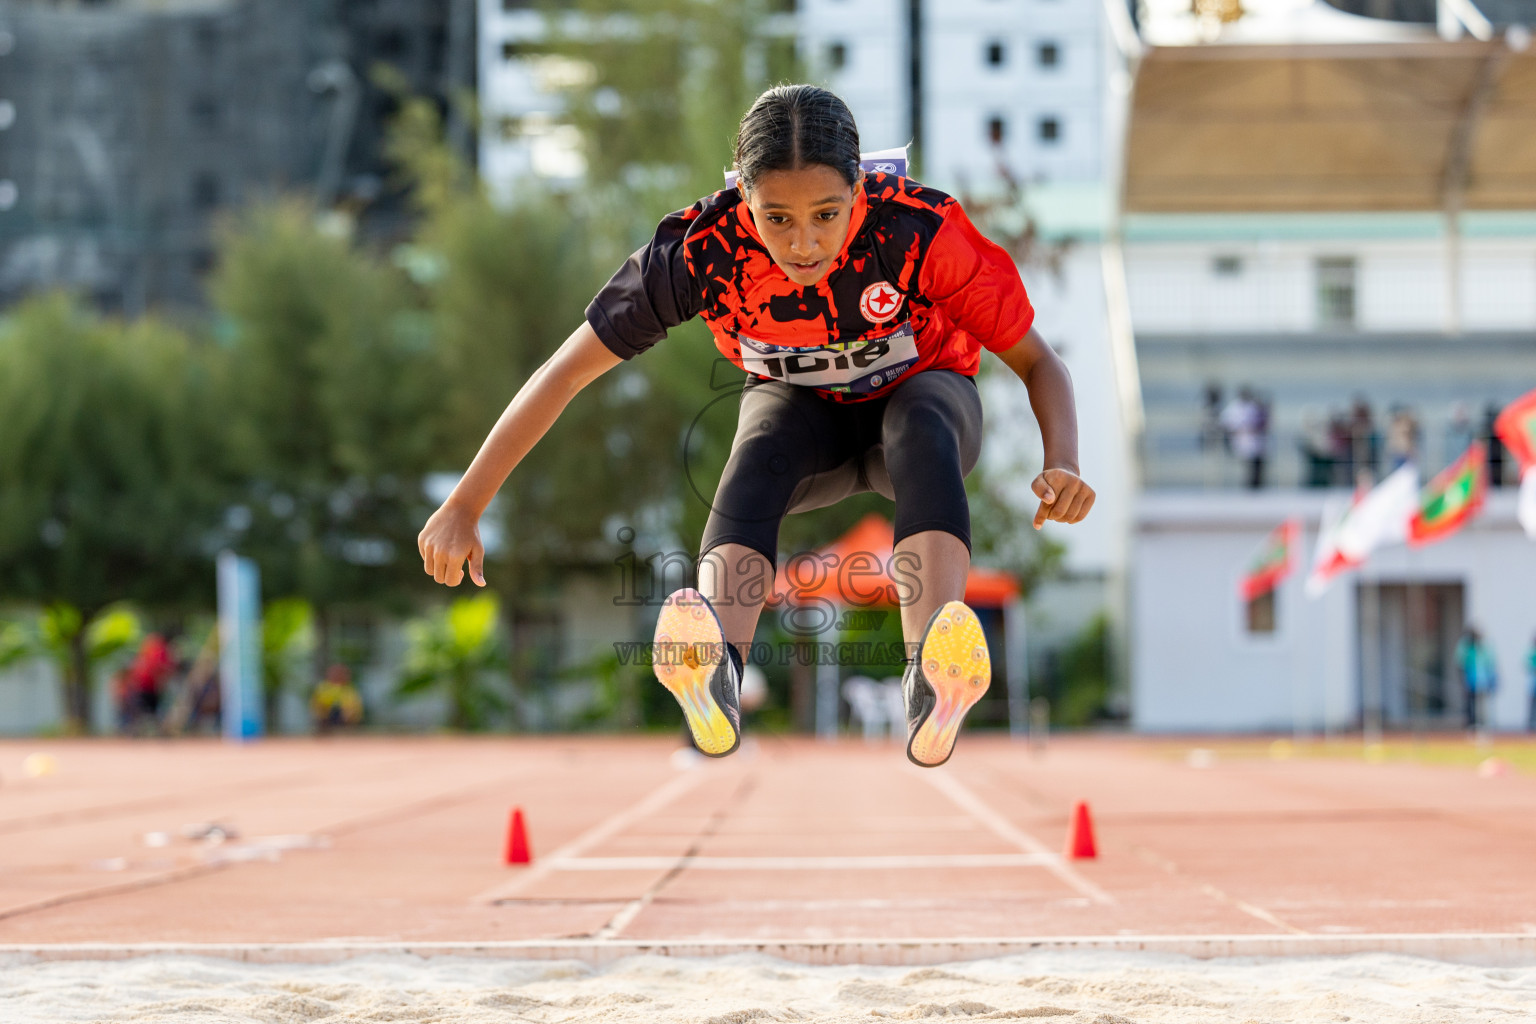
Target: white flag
(1382, 516)
(1525, 508)
(1328, 561)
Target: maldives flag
(1516, 427)
(1273, 562)
(1452, 498)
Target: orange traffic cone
(1080, 834)
(517, 840)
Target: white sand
(1073, 988)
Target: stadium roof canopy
(1298, 106)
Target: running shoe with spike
(950, 674)
(693, 661)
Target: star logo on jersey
(880, 302)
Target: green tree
(506, 286)
(657, 88)
(458, 652)
(76, 648)
(1080, 689)
(110, 473)
(332, 392)
(287, 650)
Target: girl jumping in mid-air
(858, 304)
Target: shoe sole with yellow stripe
(952, 672)
(690, 660)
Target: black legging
(794, 448)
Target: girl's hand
(1063, 497)
(451, 536)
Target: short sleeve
(651, 293)
(976, 284)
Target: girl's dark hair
(794, 126)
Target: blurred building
(126, 126)
(1337, 214)
(978, 85)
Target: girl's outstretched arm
(1063, 494)
(452, 535)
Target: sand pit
(1074, 988)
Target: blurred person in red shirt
(142, 684)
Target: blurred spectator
(143, 683)
(1495, 447)
(335, 704)
(1479, 674)
(1246, 423)
(1211, 432)
(1340, 443)
(1459, 433)
(1318, 450)
(1364, 441)
(1402, 437)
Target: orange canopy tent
(855, 570)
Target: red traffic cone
(517, 840)
(1080, 844)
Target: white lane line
(599, 833)
(1158, 860)
(969, 802)
(983, 860)
(630, 911)
(1251, 910)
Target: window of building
(1259, 614)
(1050, 129)
(1227, 265)
(997, 54)
(1336, 291)
(205, 191)
(997, 130)
(837, 56)
(1048, 55)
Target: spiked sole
(959, 668)
(689, 647)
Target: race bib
(859, 367)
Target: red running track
(399, 840)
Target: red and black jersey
(915, 287)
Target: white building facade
(1012, 83)
(1263, 256)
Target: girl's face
(803, 218)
